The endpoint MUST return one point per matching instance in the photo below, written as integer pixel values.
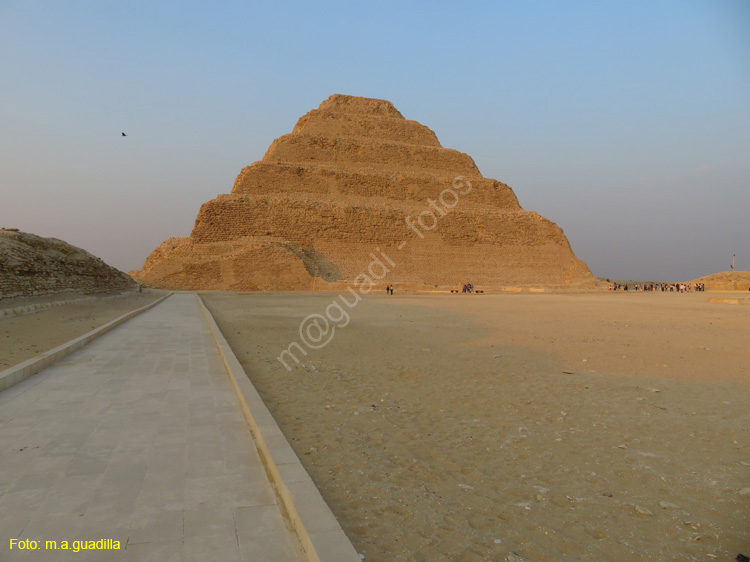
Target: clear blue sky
(626, 123)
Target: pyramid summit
(354, 177)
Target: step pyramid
(355, 183)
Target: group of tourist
(389, 289)
(468, 288)
(664, 287)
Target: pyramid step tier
(353, 153)
(262, 178)
(365, 127)
(301, 220)
(268, 264)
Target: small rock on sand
(642, 510)
(668, 505)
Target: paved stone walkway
(138, 438)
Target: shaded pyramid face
(353, 183)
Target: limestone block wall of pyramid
(355, 178)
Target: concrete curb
(22, 371)
(319, 533)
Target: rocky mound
(356, 193)
(726, 281)
(31, 265)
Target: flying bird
(124, 135)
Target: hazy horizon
(628, 125)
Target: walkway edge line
(23, 371)
(318, 530)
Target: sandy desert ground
(601, 427)
(23, 337)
